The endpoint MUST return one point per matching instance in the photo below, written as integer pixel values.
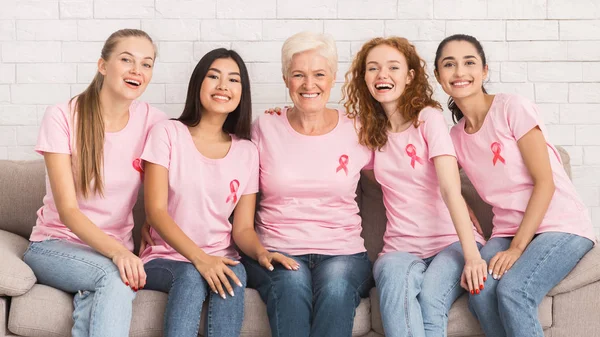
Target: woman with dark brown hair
(430, 245)
(82, 242)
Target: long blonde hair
(89, 138)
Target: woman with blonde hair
(82, 242)
(310, 163)
(430, 245)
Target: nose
(222, 84)
(459, 70)
(308, 82)
(382, 74)
(135, 69)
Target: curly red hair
(360, 105)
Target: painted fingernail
(481, 286)
(490, 272)
(239, 284)
(127, 283)
(484, 279)
(477, 291)
(231, 293)
(472, 291)
(135, 289)
(495, 276)
(278, 112)
(223, 296)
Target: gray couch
(28, 309)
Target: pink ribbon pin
(496, 149)
(137, 165)
(411, 150)
(343, 164)
(233, 188)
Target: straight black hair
(456, 113)
(239, 120)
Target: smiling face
(309, 81)
(387, 75)
(128, 69)
(460, 70)
(221, 89)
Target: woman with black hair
(199, 169)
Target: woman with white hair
(310, 163)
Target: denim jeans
(416, 294)
(103, 303)
(317, 300)
(509, 306)
(187, 290)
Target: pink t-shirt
(122, 178)
(492, 160)
(202, 192)
(418, 220)
(308, 186)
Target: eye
(213, 76)
(320, 74)
(470, 63)
(147, 65)
(297, 75)
(124, 59)
(235, 80)
(394, 68)
(372, 69)
(448, 65)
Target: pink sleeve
(155, 115)
(54, 135)
(370, 165)
(256, 134)
(522, 116)
(252, 186)
(436, 134)
(158, 146)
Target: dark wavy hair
(361, 105)
(239, 120)
(457, 114)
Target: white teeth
(225, 98)
(309, 95)
(134, 82)
(383, 86)
(460, 83)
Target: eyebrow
(452, 58)
(314, 71)
(390, 61)
(130, 54)
(218, 71)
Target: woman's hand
(215, 271)
(131, 269)
(146, 237)
(474, 275)
(503, 261)
(474, 220)
(276, 110)
(266, 260)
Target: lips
(310, 95)
(133, 82)
(461, 83)
(221, 98)
(384, 86)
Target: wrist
(199, 257)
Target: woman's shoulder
(430, 112)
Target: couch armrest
(16, 278)
(585, 272)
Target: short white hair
(305, 41)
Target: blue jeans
(416, 294)
(509, 306)
(187, 290)
(103, 303)
(317, 300)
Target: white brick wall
(546, 50)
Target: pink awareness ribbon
(233, 188)
(137, 165)
(412, 152)
(496, 149)
(343, 164)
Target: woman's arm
(213, 268)
(534, 151)
(449, 179)
(246, 239)
(62, 184)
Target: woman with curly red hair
(430, 245)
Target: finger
(130, 278)
(294, 264)
(504, 266)
(493, 264)
(284, 261)
(218, 285)
(463, 282)
(122, 273)
(142, 274)
(142, 246)
(277, 109)
(498, 266)
(225, 283)
(478, 227)
(135, 274)
(469, 282)
(484, 269)
(232, 276)
(480, 276)
(230, 261)
(147, 237)
(264, 261)
(211, 283)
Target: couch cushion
(460, 320)
(585, 272)
(47, 311)
(16, 278)
(23, 188)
